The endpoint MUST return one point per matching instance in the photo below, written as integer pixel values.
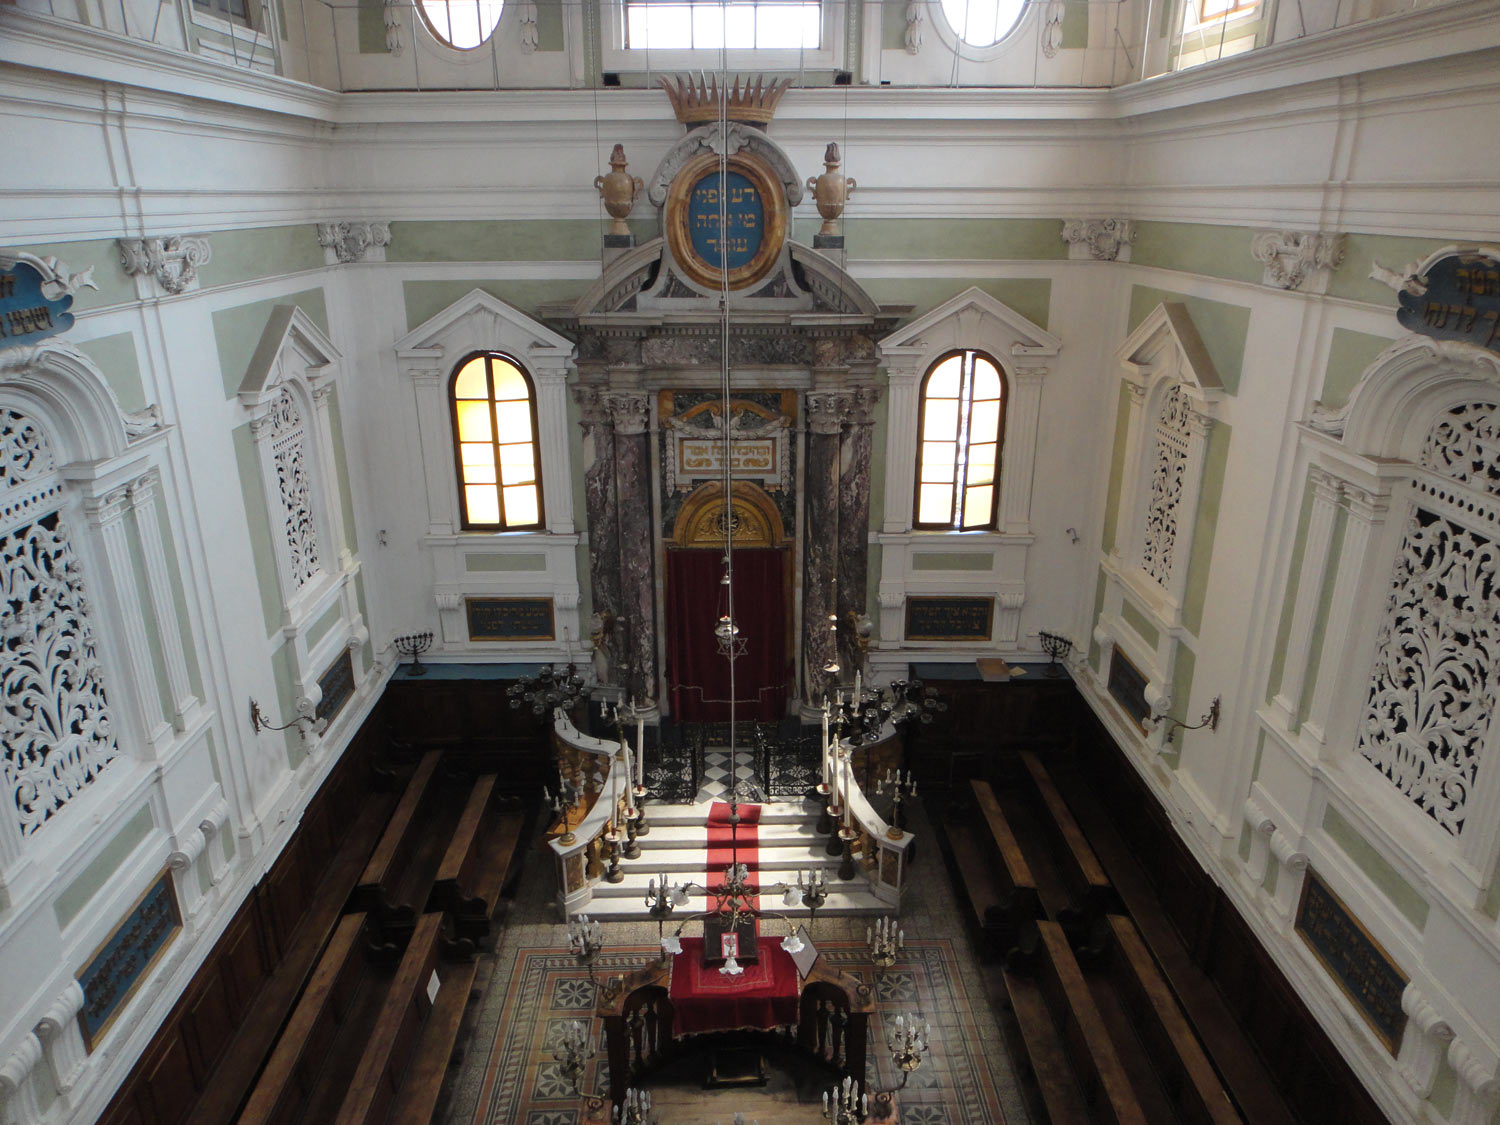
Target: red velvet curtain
(698, 675)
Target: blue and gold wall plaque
(510, 619)
(949, 619)
(1352, 957)
(27, 314)
(747, 237)
(126, 957)
(1461, 301)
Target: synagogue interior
(575, 562)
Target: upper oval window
(982, 23)
(464, 24)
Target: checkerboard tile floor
(718, 776)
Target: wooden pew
(1018, 894)
(972, 878)
(296, 1064)
(475, 867)
(1089, 885)
(1062, 1093)
(1185, 1071)
(1081, 1026)
(378, 892)
(397, 1080)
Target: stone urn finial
(620, 190)
(831, 190)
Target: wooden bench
(1018, 893)
(475, 868)
(1088, 884)
(1179, 1059)
(379, 891)
(1061, 1092)
(285, 1087)
(972, 877)
(1106, 1088)
(400, 1071)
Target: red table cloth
(762, 997)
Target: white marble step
(696, 816)
(694, 864)
(857, 899)
(667, 837)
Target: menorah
(413, 645)
(1057, 648)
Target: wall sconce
(258, 722)
(1210, 720)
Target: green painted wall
(497, 240)
(1224, 328)
(425, 299)
(152, 626)
(258, 525)
(237, 331)
(893, 27)
(1320, 619)
(951, 560)
(1205, 527)
(1116, 471)
(880, 424)
(488, 562)
(1362, 251)
(281, 671)
(366, 650)
(1031, 297)
(1444, 1087)
(1403, 896)
(1140, 623)
(341, 469)
(959, 239)
(248, 255)
(1200, 248)
(91, 879)
(115, 285)
(372, 27)
(1349, 354)
(179, 596)
(116, 358)
(1075, 24)
(1099, 586)
(549, 25)
(1491, 903)
(1284, 630)
(319, 628)
(1182, 690)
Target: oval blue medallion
(744, 215)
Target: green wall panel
(1200, 248)
(151, 625)
(1403, 896)
(1094, 652)
(237, 331)
(249, 255)
(425, 299)
(1362, 251)
(1349, 354)
(1320, 617)
(1140, 623)
(341, 468)
(893, 27)
(117, 359)
(494, 562)
(1182, 691)
(497, 240)
(957, 239)
(549, 25)
(179, 595)
(1116, 471)
(75, 896)
(1075, 23)
(879, 427)
(258, 526)
(281, 672)
(1031, 297)
(372, 27)
(1284, 629)
(951, 560)
(1223, 327)
(319, 628)
(1200, 558)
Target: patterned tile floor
(718, 778)
(531, 987)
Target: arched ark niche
(700, 523)
(806, 344)
(467, 565)
(972, 320)
(1408, 680)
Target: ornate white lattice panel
(1465, 446)
(1434, 687)
(1167, 475)
(55, 729)
(287, 440)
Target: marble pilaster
(855, 445)
(631, 413)
(602, 512)
(826, 414)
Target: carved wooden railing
(883, 854)
(594, 766)
(637, 1012)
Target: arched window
(464, 24)
(494, 424)
(983, 23)
(958, 458)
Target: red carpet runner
(721, 849)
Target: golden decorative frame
(165, 874)
(679, 238)
(989, 624)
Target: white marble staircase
(677, 845)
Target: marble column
(602, 511)
(826, 413)
(631, 412)
(855, 443)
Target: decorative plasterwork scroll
(1293, 258)
(355, 241)
(172, 262)
(56, 281)
(391, 16)
(1052, 29)
(711, 139)
(526, 21)
(1103, 240)
(55, 725)
(1172, 433)
(1464, 445)
(915, 14)
(288, 435)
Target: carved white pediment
(982, 320)
(479, 321)
(291, 343)
(1167, 343)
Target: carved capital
(1102, 240)
(108, 508)
(1292, 257)
(629, 410)
(1326, 487)
(829, 411)
(142, 490)
(173, 263)
(354, 241)
(448, 600)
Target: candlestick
(640, 749)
